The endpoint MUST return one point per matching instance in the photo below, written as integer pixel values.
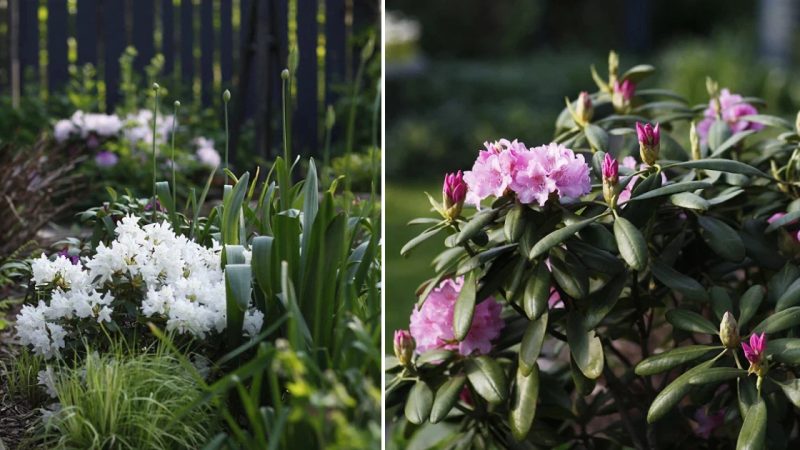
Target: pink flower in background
(106, 159)
(625, 89)
(791, 225)
(569, 171)
(432, 325)
(630, 163)
(733, 108)
(707, 423)
(531, 181)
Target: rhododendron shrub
(634, 283)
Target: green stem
(155, 116)
(351, 121)
(227, 139)
(174, 183)
(286, 144)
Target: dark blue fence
(213, 44)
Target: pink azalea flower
(492, 171)
(432, 325)
(755, 351)
(625, 89)
(733, 108)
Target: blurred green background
(458, 76)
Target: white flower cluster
(181, 281)
(206, 153)
(139, 127)
(85, 124)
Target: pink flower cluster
(532, 174)
(432, 325)
(733, 108)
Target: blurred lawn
(403, 203)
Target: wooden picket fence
(209, 45)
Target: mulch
(17, 419)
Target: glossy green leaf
(231, 210)
(690, 321)
(446, 397)
(435, 357)
(475, 225)
(523, 403)
(638, 73)
(791, 389)
(790, 297)
(419, 403)
(262, 262)
(723, 239)
(572, 278)
(690, 201)
(718, 133)
(721, 165)
(601, 302)
(731, 142)
(237, 297)
(515, 223)
(597, 137)
(537, 292)
(464, 308)
(675, 280)
(632, 246)
(419, 239)
(770, 121)
(782, 320)
(785, 350)
(720, 301)
(674, 188)
(754, 428)
(585, 346)
(749, 303)
(487, 378)
(531, 345)
(717, 375)
(673, 393)
(672, 358)
(557, 237)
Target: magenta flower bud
(454, 192)
(622, 95)
(610, 168)
(649, 142)
(755, 353)
(584, 109)
(404, 346)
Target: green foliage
(21, 377)
(127, 400)
(658, 272)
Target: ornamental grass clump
(615, 286)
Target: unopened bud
(729, 331)
(454, 192)
(156, 86)
(285, 74)
(177, 104)
(649, 142)
(226, 96)
(368, 49)
(622, 95)
(712, 87)
(694, 140)
(610, 178)
(404, 346)
(584, 109)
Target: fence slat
(86, 30)
(305, 122)
(56, 44)
(168, 37)
(143, 29)
(187, 41)
(226, 42)
(207, 50)
(114, 37)
(29, 40)
(335, 38)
